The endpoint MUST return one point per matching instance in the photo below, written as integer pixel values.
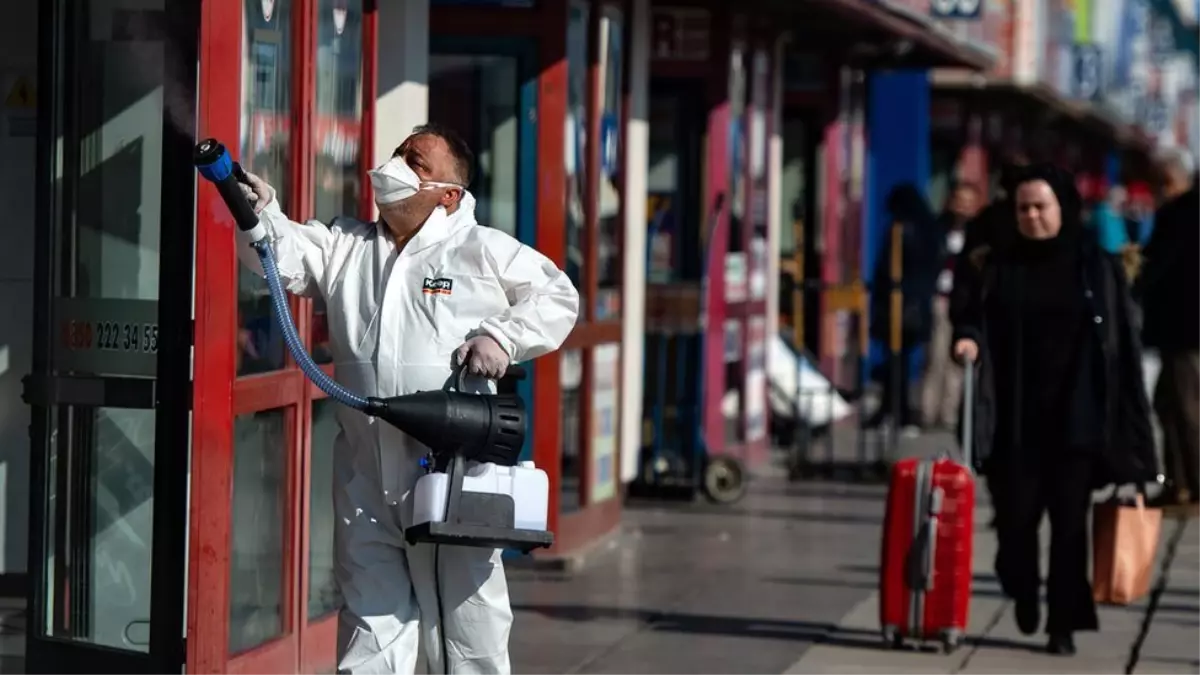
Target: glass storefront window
(608, 256)
(737, 152)
(107, 492)
(571, 379)
(256, 556)
(489, 124)
(337, 129)
(266, 118)
(323, 595)
(757, 160)
(576, 146)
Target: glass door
(486, 91)
(109, 391)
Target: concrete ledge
(571, 562)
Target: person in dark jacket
(1169, 288)
(1061, 407)
(920, 256)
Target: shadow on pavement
(874, 571)
(797, 631)
(835, 491)
(700, 624)
(694, 509)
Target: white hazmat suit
(396, 319)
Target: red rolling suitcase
(925, 571)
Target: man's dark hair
(464, 159)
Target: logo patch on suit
(437, 286)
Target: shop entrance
(486, 91)
(110, 385)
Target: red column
(973, 159)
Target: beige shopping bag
(1124, 544)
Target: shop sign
(605, 377)
(732, 351)
(610, 132)
(680, 33)
(735, 277)
(956, 9)
(101, 336)
(1088, 69)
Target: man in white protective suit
(408, 298)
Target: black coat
(1121, 409)
(1169, 283)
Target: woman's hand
(966, 351)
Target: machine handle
(214, 163)
(513, 372)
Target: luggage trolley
(675, 462)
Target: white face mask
(396, 181)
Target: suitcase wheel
(724, 480)
(892, 638)
(951, 641)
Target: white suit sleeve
(543, 307)
(301, 250)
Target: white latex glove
(483, 356)
(258, 193)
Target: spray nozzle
(213, 162)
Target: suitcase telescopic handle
(968, 425)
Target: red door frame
(219, 395)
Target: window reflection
(576, 143)
(256, 553)
(477, 95)
(571, 378)
(337, 130)
(338, 126)
(609, 207)
(265, 127)
(323, 594)
(737, 158)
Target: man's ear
(451, 197)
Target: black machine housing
(458, 428)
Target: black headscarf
(1070, 203)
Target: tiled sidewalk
(786, 580)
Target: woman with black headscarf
(1061, 407)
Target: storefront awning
(883, 34)
(1053, 105)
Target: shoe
(1061, 645)
(1028, 616)
(910, 431)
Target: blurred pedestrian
(941, 388)
(1108, 219)
(920, 244)
(1169, 288)
(1061, 408)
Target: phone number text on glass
(110, 336)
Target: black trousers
(1059, 485)
(1177, 402)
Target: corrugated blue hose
(283, 317)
